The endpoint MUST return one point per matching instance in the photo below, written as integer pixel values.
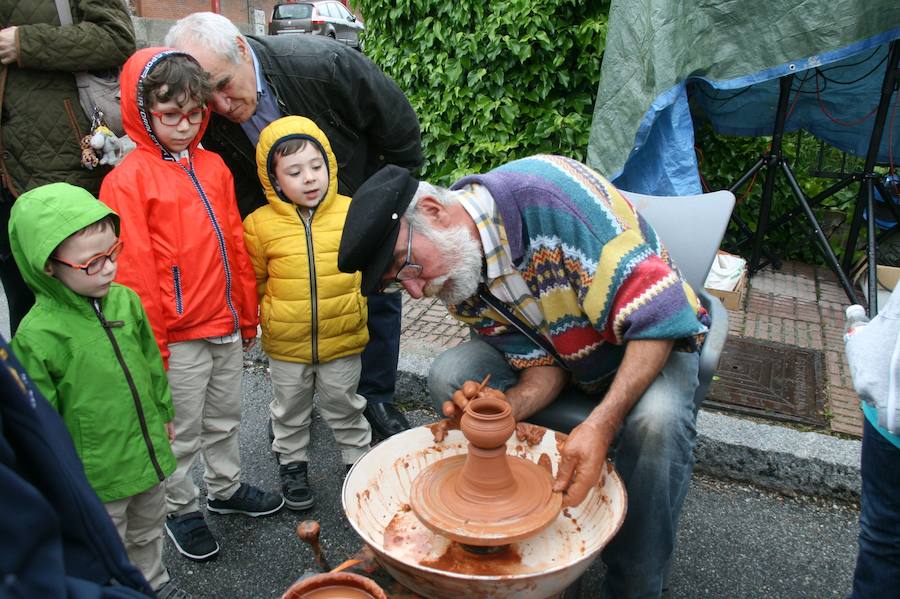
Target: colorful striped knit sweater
(596, 268)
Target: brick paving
(800, 305)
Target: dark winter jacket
(42, 123)
(362, 112)
(56, 539)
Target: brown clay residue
(530, 433)
(439, 430)
(404, 507)
(456, 559)
(546, 463)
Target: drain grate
(769, 380)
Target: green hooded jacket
(96, 361)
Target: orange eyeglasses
(96, 263)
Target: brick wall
(236, 10)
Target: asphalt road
(735, 541)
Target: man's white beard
(465, 255)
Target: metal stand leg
(865, 199)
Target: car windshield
(292, 11)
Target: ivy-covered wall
(491, 81)
(496, 81)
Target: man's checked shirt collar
(500, 276)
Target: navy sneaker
(192, 536)
(247, 500)
(170, 591)
(295, 486)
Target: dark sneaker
(192, 536)
(170, 591)
(295, 486)
(247, 500)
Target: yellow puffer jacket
(309, 310)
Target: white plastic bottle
(856, 318)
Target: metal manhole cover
(769, 380)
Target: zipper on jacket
(314, 300)
(108, 326)
(176, 281)
(220, 238)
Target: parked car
(327, 18)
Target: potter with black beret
(373, 223)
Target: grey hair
(208, 30)
(442, 194)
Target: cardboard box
(887, 277)
(731, 299)
(723, 274)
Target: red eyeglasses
(96, 263)
(173, 119)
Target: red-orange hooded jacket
(184, 248)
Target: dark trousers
(379, 359)
(18, 295)
(878, 563)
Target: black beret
(373, 223)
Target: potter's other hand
(582, 460)
(8, 51)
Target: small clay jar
(487, 424)
(335, 585)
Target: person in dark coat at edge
(56, 539)
(41, 120)
(368, 120)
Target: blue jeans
(653, 453)
(878, 563)
(379, 359)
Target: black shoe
(270, 430)
(295, 486)
(170, 591)
(386, 420)
(247, 500)
(192, 536)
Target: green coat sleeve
(102, 37)
(159, 381)
(36, 365)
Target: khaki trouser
(205, 379)
(140, 520)
(335, 382)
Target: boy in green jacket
(87, 345)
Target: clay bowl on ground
(335, 585)
(376, 501)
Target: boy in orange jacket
(185, 256)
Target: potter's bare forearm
(643, 360)
(538, 386)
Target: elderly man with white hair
(368, 121)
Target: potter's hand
(9, 53)
(455, 407)
(583, 457)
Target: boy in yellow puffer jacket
(313, 316)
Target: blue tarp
(712, 56)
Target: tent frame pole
(774, 162)
(865, 200)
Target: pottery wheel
(518, 513)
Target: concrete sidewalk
(799, 305)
